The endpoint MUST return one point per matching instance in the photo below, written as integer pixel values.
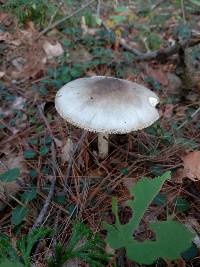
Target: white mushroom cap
(106, 104)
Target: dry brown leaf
(178, 176)
(191, 164)
(52, 50)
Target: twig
(56, 23)
(183, 10)
(98, 8)
(192, 116)
(157, 4)
(45, 207)
(54, 14)
(169, 51)
(159, 54)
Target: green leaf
(60, 199)
(121, 9)
(154, 41)
(195, 2)
(8, 263)
(18, 215)
(44, 150)
(10, 175)
(160, 199)
(181, 204)
(29, 195)
(29, 154)
(190, 253)
(172, 238)
(6, 249)
(84, 245)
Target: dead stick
(159, 54)
(45, 207)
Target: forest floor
(58, 163)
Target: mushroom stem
(103, 145)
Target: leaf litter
(91, 184)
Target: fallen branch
(159, 54)
(169, 51)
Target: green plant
(83, 245)
(8, 254)
(172, 238)
(35, 10)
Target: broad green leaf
(171, 237)
(10, 175)
(29, 195)
(18, 215)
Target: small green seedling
(9, 255)
(83, 245)
(172, 238)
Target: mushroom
(107, 105)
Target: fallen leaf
(191, 164)
(52, 50)
(2, 73)
(2, 16)
(18, 103)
